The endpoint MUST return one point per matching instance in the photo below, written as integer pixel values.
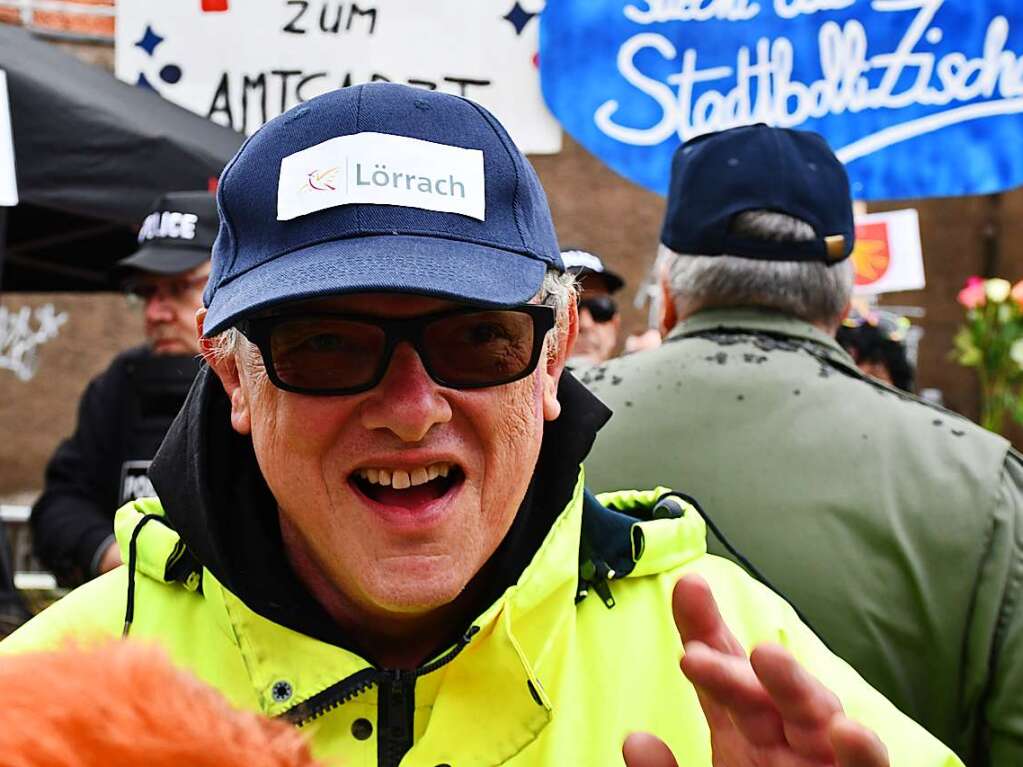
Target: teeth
(400, 479)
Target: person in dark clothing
(126, 410)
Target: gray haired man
(894, 526)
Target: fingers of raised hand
(855, 745)
(730, 694)
(697, 616)
(806, 706)
(642, 749)
(768, 700)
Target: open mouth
(407, 488)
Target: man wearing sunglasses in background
(599, 323)
(371, 516)
(126, 410)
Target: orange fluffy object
(123, 705)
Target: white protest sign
(888, 256)
(8, 185)
(242, 63)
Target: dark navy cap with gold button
(716, 176)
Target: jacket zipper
(329, 699)
(395, 707)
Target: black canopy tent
(91, 154)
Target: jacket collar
(762, 321)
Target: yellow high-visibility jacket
(546, 676)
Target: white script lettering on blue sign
(917, 97)
(692, 10)
(788, 9)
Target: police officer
(125, 411)
(893, 525)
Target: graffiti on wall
(22, 332)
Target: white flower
(997, 289)
(1016, 352)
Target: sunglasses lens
(479, 349)
(323, 354)
(601, 308)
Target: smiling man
(371, 519)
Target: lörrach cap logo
(382, 169)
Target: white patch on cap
(580, 259)
(381, 169)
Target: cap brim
(164, 260)
(432, 266)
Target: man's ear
(555, 364)
(668, 312)
(226, 369)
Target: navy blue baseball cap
(756, 167)
(378, 187)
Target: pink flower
(1017, 293)
(973, 295)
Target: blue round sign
(918, 98)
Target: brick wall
(69, 19)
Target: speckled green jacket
(894, 526)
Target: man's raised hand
(763, 711)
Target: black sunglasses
(601, 308)
(464, 348)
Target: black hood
(214, 495)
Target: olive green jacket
(547, 676)
(894, 526)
